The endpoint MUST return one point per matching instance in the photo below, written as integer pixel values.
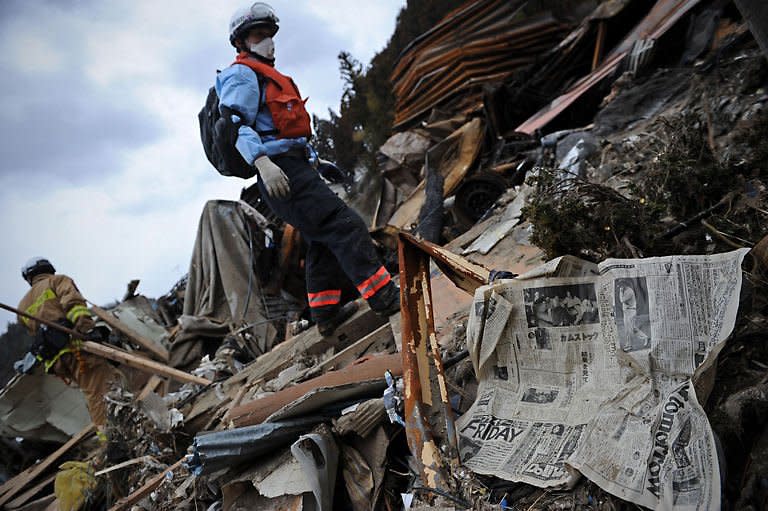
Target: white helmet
(36, 266)
(254, 15)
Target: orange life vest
(283, 99)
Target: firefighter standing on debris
(272, 136)
(56, 298)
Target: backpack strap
(262, 94)
(262, 80)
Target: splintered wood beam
(599, 43)
(149, 366)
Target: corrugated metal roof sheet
(484, 41)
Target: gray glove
(26, 364)
(273, 177)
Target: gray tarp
(223, 291)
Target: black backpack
(50, 341)
(219, 134)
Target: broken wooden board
(351, 353)
(27, 495)
(426, 407)
(462, 272)
(369, 368)
(46, 503)
(269, 365)
(151, 386)
(148, 366)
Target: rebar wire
(250, 271)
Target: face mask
(264, 48)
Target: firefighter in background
(56, 298)
(272, 128)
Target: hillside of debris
(573, 195)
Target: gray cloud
(56, 122)
(64, 127)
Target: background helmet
(246, 18)
(36, 266)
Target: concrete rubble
(561, 136)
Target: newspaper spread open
(592, 374)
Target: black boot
(328, 326)
(386, 301)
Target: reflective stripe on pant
(339, 244)
(371, 285)
(324, 298)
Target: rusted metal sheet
(481, 42)
(465, 274)
(660, 19)
(428, 414)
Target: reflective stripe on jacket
(53, 298)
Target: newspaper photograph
(588, 370)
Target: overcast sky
(102, 170)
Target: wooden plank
(462, 272)
(149, 487)
(269, 365)
(354, 351)
(11, 488)
(27, 495)
(46, 503)
(149, 366)
(370, 368)
(599, 43)
(158, 351)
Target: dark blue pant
(338, 242)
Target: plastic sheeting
(222, 449)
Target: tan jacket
(55, 297)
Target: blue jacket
(238, 88)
